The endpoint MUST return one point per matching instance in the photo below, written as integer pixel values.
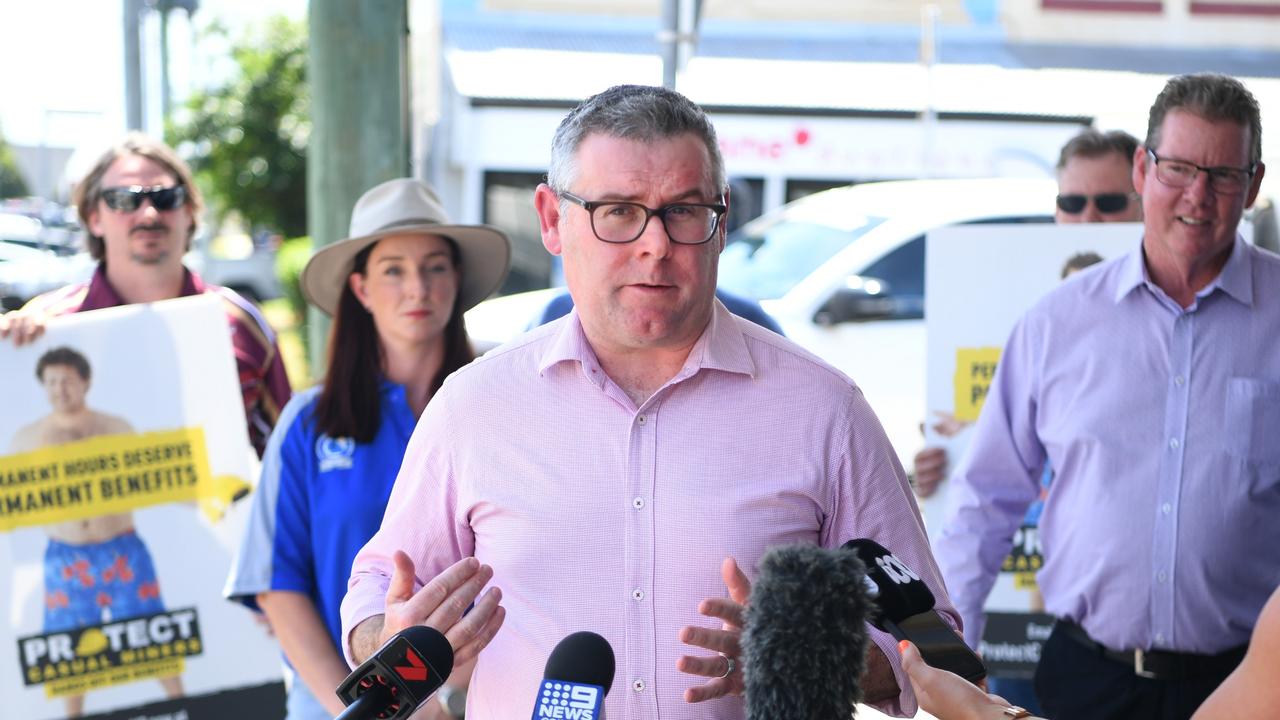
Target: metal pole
(667, 39)
(929, 118)
(165, 93)
(133, 64)
(688, 34)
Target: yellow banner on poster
(112, 474)
(975, 367)
(170, 667)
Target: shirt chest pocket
(1253, 420)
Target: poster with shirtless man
(123, 457)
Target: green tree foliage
(247, 139)
(12, 184)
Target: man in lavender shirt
(615, 466)
(1151, 384)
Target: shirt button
(1161, 576)
(1166, 508)
(1174, 443)
(1179, 381)
(637, 594)
(641, 419)
(637, 503)
(1160, 638)
(637, 685)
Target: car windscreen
(765, 262)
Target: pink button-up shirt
(599, 515)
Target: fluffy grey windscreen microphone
(805, 639)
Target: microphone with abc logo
(906, 611)
(576, 679)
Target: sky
(62, 64)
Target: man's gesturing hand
(440, 604)
(724, 669)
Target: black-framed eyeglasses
(622, 222)
(1180, 174)
(1074, 204)
(128, 199)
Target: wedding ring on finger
(729, 665)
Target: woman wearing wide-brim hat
(396, 288)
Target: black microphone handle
(368, 705)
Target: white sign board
(124, 466)
(979, 280)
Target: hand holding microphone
(948, 696)
(906, 611)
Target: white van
(842, 271)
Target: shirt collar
(1236, 278)
(1133, 273)
(722, 346)
(102, 295)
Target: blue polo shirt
(318, 501)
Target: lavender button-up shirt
(1162, 425)
(599, 515)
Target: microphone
(804, 638)
(399, 677)
(905, 611)
(897, 590)
(576, 680)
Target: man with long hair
(140, 207)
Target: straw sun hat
(404, 206)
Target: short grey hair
(630, 112)
(1212, 97)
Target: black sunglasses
(128, 199)
(1106, 203)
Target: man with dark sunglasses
(1095, 184)
(140, 206)
(1095, 179)
(1151, 385)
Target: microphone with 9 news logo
(399, 677)
(576, 680)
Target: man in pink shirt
(605, 465)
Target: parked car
(842, 271)
(26, 272)
(243, 266)
(30, 232)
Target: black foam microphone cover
(583, 657)
(805, 638)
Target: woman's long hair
(350, 402)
